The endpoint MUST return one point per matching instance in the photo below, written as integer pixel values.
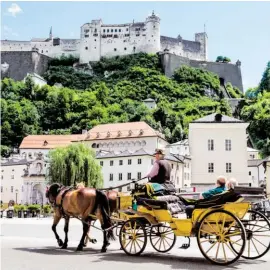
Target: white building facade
(107, 40)
(122, 168)
(218, 147)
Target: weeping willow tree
(74, 163)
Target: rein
(123, 185)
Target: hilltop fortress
(107, 40)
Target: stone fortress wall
(106, 40)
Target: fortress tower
(152, 25)
(203, 39)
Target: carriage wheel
(258, 235)
(218, 231)
(162, 238)
(133, 237)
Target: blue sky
(239, 30)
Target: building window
(139, 161)
(86, 36)
(249, 173)
(129, 161)
(228, 167)
(177, 180)
(111, 162)
(120, 162)
(11, 189)
(101, 163)
(1, 189)
(120, 176)
(228, 145)
(139, 175)
(112, 30)
(172, 166)
(210, 145)
(210, 167)
(108, 30)
(2, 177)
(104, 30)
(22, 188)
(177, 167)
(115, 30)
(129, 176)
(86, 48)
(12, 176)
(111, 176)
(126, 29)
(125, 48)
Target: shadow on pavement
(175, 261)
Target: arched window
(94, 145)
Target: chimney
(218, 117)
(84, 131)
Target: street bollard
(19, 213)
(10, 213)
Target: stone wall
(229, 72)
(21, 63)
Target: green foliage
(234, 91)
(219, 59)
(115, 93)
(257, 112)
(5, 151)
(74, 163)
(265, 81)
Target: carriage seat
(166, 202)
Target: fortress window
(104, 30)
(125, 48)
(42, 51)
(86, 48)
(95, 47)
(154, 26)
(134, 48)
(86, 30)
(95, 40)
(108, 30)
(115, 49)
(86, 35)
(119, 30)
(127, 29)
(115, 30)
(111, 30)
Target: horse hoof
(93, 241)
(84, 245)
(79, 248)
(60, 243)
(103, 250)
(64, 246)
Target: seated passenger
(161, 170)
(220, 187)
(231, 184)
(221, 181)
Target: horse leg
(56, 220)
(85, 230)
(66, 233)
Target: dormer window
(119, 133)
(141, 132)
(45, 143)
(108, 134)
(130, 132)
(97, 134)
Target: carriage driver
(161, 170)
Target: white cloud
(7, 32)
(14, 9)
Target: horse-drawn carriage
(226, 226)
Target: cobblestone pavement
(29, 244)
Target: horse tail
(103, 201)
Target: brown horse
(112, 198)
(83, 203)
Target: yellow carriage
(222, 231)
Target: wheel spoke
(255, 246)
(224, 252)
(211, 226)
(126, 244)
(211, 247)
(157, 241)
(259, 242)
(217, 250)
(233, 252)
(136, 242)
(233, 234)
(208, 232)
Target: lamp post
(16, 194)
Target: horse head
(53, 190)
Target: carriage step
(186, 245)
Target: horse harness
(64, 191)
